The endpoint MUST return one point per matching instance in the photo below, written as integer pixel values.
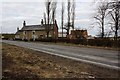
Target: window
(33, 32)
(24, 32)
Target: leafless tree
(53, 8)
(101, 14)
(48, 9)
(51, 12)
(73, 14)
(115, 14)
(68, 23)
(62, 17)
(45, 18)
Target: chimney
(42, 22)
(24, 24)
(17, 28)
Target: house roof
(36, 27)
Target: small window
(24, 32)
(33, 32)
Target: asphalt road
(101, 57)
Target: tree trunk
(102, 27)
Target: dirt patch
(18, 62)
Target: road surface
(101, 57)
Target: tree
(45, 18)
(115, 15)
(73, 14)
(62, 17)
(51, 12)
(48, 9)
(101, 14)
(68, 23)
(53, 8)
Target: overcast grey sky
(15, 12)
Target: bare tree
(51, 12)
(68, 23)
(45, 18)
(73, 14)
(62, 17)
(115, 14)
(48, 9)
(101, 14)
(53, 8)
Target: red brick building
(78, 34)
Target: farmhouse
(34, 32)
(78, 34)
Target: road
(100, 57)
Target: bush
(91, 42)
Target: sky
(14, 12)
